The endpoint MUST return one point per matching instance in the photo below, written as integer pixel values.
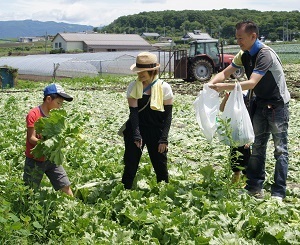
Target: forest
(273, 25)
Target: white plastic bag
(206, 108)
(241, 127)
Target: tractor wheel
(202, 70)
(238, 74)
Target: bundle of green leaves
(58, 132)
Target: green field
(16, 48)
(289, 53)
(198, 206)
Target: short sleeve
(32, 117)
(167, 91)
(264, 61)
(30, 121)
(237, 60)
(129, 89)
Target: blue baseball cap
(57, 89)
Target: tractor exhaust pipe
(222, 55)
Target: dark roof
(198, 36)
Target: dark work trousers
(132, 155)
(239, 158)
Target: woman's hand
(139, 144)
(162, 148)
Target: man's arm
(246, 85)
(223, 75)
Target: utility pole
(46, 37)
(283, 31)
(287, 30)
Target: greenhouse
(73, 65)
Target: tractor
(204, 60)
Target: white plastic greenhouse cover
(43, 65)
(73, 65)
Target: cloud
(104, 12)
(70, 1)
(152, 1)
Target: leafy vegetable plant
(58, 132)
(199, 205)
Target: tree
(273, 36)
(211, 21)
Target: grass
(16, 48)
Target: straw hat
(145, 61)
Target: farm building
(30, 39)
(96, 42)
(196, 35)
(150, 35)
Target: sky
(102, 12)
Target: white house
(97, 42)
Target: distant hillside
(28, 28)
(218, 23)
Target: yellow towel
(137, 90)
(157, 96)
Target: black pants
(239, 158)
(133, 154)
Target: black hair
(53, 96)
(249, 25)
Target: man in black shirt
(266, 77)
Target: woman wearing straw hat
(150, 102)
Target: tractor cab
(203, 59)
(209, 48)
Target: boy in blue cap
(34, 169)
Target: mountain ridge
(31, 28)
